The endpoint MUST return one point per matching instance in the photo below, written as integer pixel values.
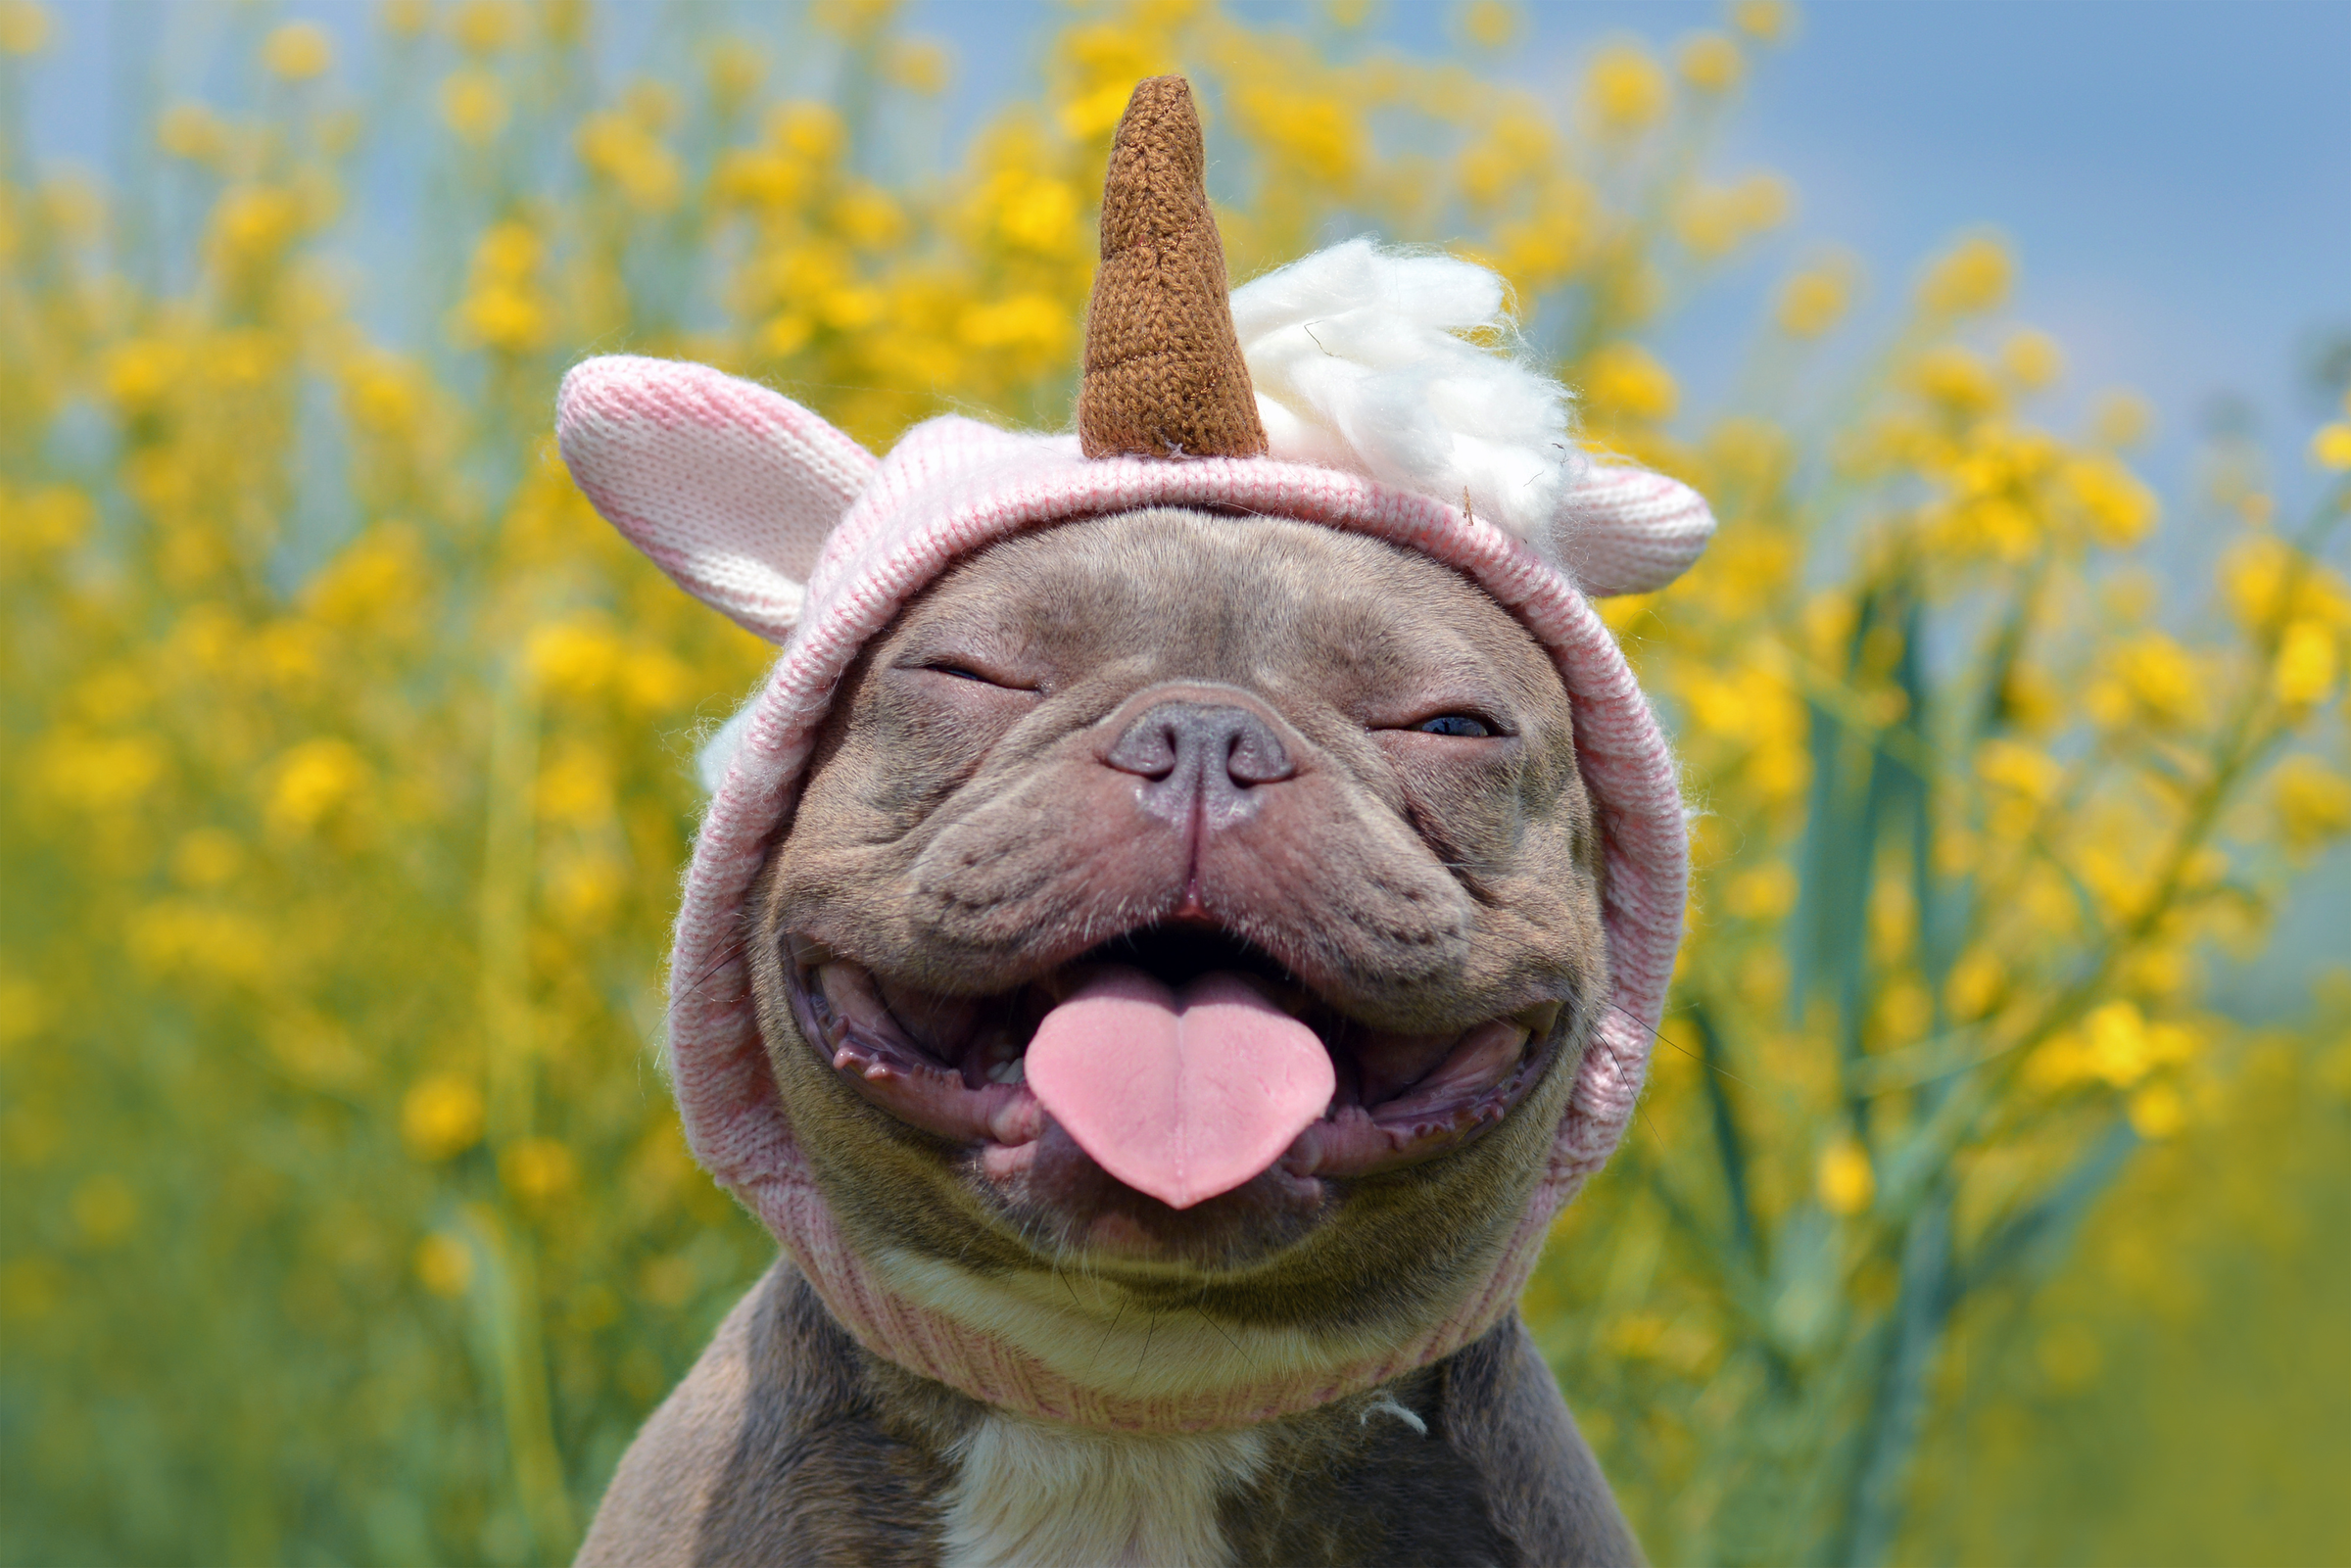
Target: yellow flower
(1765, 893)
(1714, 219)
(1814, 301)
(1095, 112)
(1027, 321)
(853, 309)
(1764, 20)
(2116, 1044)
(2311, 800)
(106, 1208)
(1975, 986)
(1544, 250)
(2032, 358)
(485, 26)
(406, 19)
(297, 51)
(1957, 380)
(1489, 24)
(2306, 663)
(2268, 583)
(1035, 213)
(2158, 681)
(473, 104)
(1973, 276)
(1316, 133)
(23, 27)
(2008, 764)
(191, 131)
(868, 219)
(2117, 506)
(1625, 380)
(252, 223)
(583, 890)
(181, 936)
(622, 150)
(382, 394)
(814, 132)
(786, 333)
(313, 779)
(505, 319)
(757, 177)
(2156, 1112)
(1845, 1178)
(440, 1116)
(2022, 781)
(2122, 418)
(444, 1264)
(2331, 447)
(572, 657)
(537, 1170)
(1625, 89)
(653, 681)
(576, 786)
(2031, 700)
(853, 19)
(98, 774)
(919, 66)
(24, 1010)
(207, 857)
(1710, 63)
(139, 372)
(2070, 1356)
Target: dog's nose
(1212, 754)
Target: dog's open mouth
(1167, 1017)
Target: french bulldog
(1233, 781)
(1188, 905)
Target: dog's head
(1269, 844)
(1191, 898)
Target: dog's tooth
(1015, 1071)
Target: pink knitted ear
(1629, 531)
(729, 487)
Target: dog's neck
(987, 1347)
(1030, 1491)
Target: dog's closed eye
(975, 671)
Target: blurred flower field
(343, 1213)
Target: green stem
(510, 857)
(1897, 1417)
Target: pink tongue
(1183, 1096)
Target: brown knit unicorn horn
(1163, 376)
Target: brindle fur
(959, 836)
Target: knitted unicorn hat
(1338, 391)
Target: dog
(1171, 932)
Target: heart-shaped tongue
(1183, 1095)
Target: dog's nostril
(1193, 739)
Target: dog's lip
(1401, 1098)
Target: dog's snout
(1212, 753)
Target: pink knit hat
(761, 509)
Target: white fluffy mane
(1359, 360)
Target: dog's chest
(1027, 1493)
